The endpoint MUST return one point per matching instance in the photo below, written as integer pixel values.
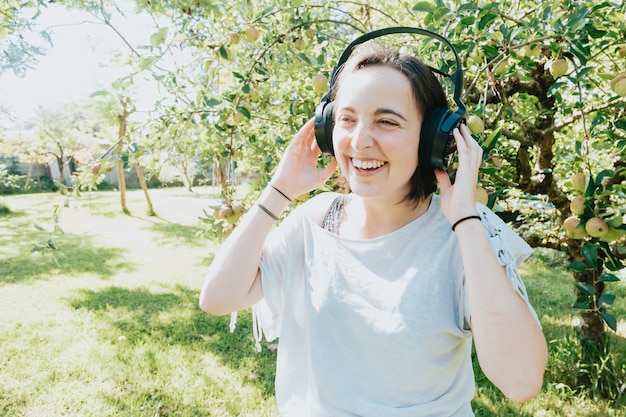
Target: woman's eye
(389, 122)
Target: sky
(78, 63)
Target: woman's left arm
(510, 345)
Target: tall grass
(115, 330)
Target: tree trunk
(61, 165)
(185, 168)
(121, 181)
(121, 133)
(30, 173)
(144, 187)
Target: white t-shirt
(374, 327)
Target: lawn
(113, 328)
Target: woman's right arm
(234, 278)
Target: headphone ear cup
(324, 127)
(436, 138)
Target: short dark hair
(426, 89)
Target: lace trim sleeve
(501, 239)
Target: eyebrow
(380, 111)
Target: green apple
(501, 68)
(475, 124)
(620, 88)
(251, 33)
(579, 181)
(577, 205)
(254, 94)
(596, 227)
(299, 44)
(482, 196)
(238, 118)
(558, 67)
(477, 55)
(532, 50)
(320, 83)
(573, 228)
(616, 79)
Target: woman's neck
(371, 218)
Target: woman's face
(376, 133)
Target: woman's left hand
(458, 200)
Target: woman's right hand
(297, 172)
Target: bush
(4, 209)
(8, 182)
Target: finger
(305, 131)
(328, 170)
(443, 179)
(458, 137)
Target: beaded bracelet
(463, 219)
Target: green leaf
(586, 288)
(467, 6)
(245, 111)
(582, 303)
(590, 252)
(591, 188)
(424, 6)
(608, 278)
(38, 248)
(486, 19)
(612, 263)
(468, 20)
(604, 174)
(578, 266)
(211, 101)
(606, 300)
(609, 320)
(100, 93)
(490, 51)
(224, 52)
(146, 62)
(555, 87)
(491, 141)
(158, 37)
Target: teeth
(367, 164)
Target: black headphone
(436, 134)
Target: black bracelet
(463, 219)
(269, 213)
(281, 193)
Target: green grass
(115, 330)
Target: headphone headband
(456, 77)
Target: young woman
(375, 296)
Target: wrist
(279, 191)
(272, 201)
(473, 218)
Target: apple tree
(544, 87)
(543, 84)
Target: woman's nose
(361, 136)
